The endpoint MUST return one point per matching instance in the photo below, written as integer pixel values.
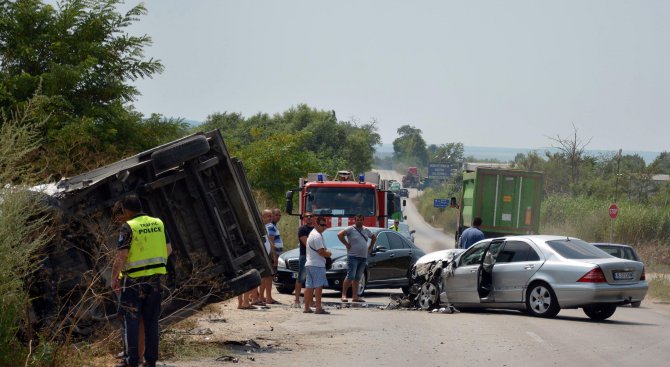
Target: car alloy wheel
(541, 301)
(428, 296)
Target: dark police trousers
(141, 298)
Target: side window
(473, 255)
(627, 254)
(517, 251)
(395, 241)
(382, 241)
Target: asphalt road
(427, 237)
(370, 335)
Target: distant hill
(508, 154)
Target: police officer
(143, 249)
(395, 225)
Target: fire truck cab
(339, 201)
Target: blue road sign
(439, 171)
(440, 203)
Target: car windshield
(332, 242)
(572, 248)
(341, 201)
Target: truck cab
(339, 201)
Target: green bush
(445, 218)
(588, 219)
(583, 217)
(22, 229)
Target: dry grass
(659, 287)
(656, 258)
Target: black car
(389, 263)
(620, 251)
(404, 193)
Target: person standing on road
(266, 282)
(356, 242)
(395, 225)
(303, 233)
(273, 231)
(315, 267)
(471, 235)
(143, 249)
(121, 217)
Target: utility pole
(616, 193)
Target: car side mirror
(289, 202)
(412, 231)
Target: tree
(336, 144)
(662, 163)
(81, 59)
(360, 146)
(531, 161)
(410, 147)
(450, 153)
(572, 151)
(273, 165)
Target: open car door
(485, 272)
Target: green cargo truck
(508, 201)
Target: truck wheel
(177, 153)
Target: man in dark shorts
(355, 238)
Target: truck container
(508, 201)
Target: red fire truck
(339, 201)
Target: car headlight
(281, 263)
(340, 264)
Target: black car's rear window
(576, 249)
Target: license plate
(623, 275)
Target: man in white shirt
(316, 267)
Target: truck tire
(182, 151)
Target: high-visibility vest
(395, 228)
(148, 249)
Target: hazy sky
(484, 73)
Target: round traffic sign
(614, 211)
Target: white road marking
(535, 337)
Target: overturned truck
(203, 197)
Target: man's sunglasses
(322, 224)
(308, 216)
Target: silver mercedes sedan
(536, 273)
